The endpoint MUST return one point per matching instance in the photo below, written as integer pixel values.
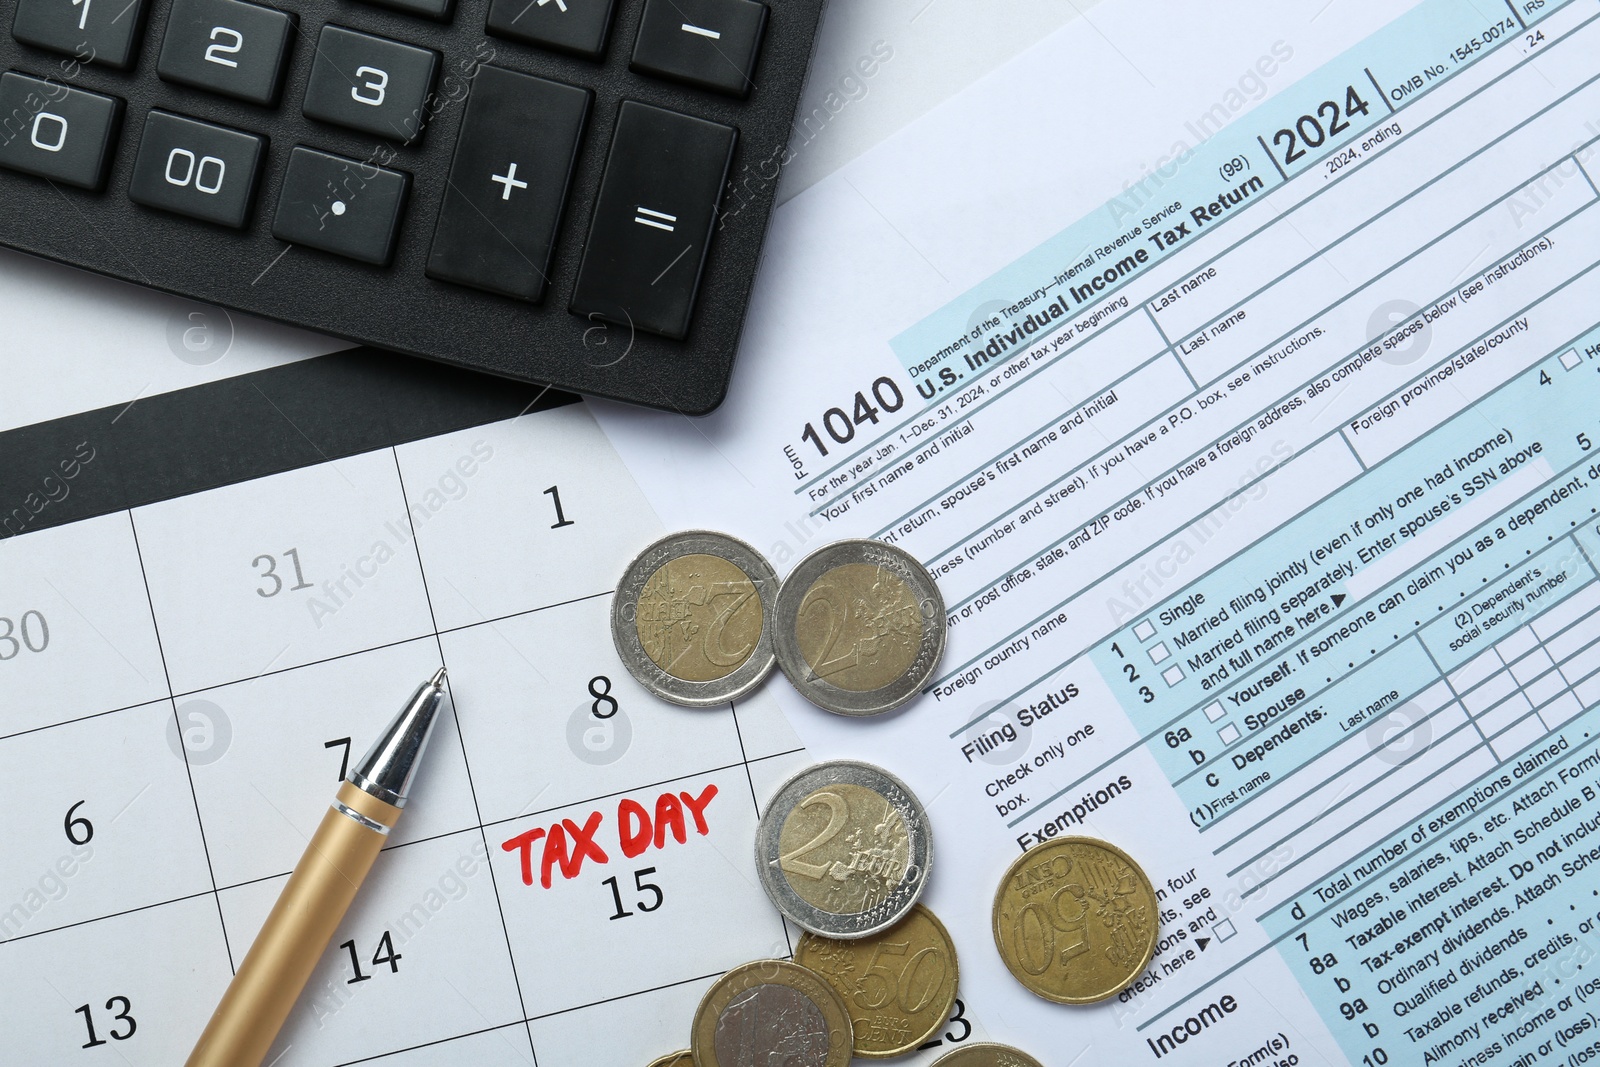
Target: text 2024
(1328, 119)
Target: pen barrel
(292, 940)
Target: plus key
(509, 180)
(519, 136)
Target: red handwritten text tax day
(566, 844)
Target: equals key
(653, 219)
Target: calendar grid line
(429, 635)
(634, 789)
(580, 802)
(431, 1044)
(194, 796)
(778, 755)
(109, 915)
(461, 739)
(755, 800)
(625, 996)
(85, 718)
(184, 694)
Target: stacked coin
(858, 626)
(843, 849)
(898, 985)
(771, 1011)
(986, 1055)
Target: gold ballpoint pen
(323, 884)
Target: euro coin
(843, 849)
(693, 618)
(861, 627)
(770, 1011)
(1075, 920)
(675, 1059)
(898, 985)
(987, 1055)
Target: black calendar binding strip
(169, 445)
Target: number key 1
(227, 46)
(95, 31)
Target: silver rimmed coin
(986, 1055)
(843, 849)
(693, 618)
(860, 627)
(771, 1012)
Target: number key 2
(227, 46)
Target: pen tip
(438, 678)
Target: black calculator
(571, 192)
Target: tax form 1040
(1248, 418)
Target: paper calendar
(186, 681)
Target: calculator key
(60, 133)
(93, 31)
(570, 25)
(343, 206)
(194, 168)
(370, 83)
(709, 43)
(508, 182)
(653, 219)
(227, 46)
(432, 9)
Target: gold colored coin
(771, 1011)
(986, 1055)
(844, 848)
(898, 985)
(859, 627)
(675, 1059)
(1075, 920)
(699, 618)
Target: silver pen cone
(390, 764)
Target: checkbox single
(1145, 630)
(1215, 710)
(1172, 675)
(1571, 359)
(1159, 652)
(1228, 734)
(1224, 930)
